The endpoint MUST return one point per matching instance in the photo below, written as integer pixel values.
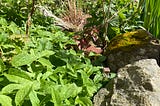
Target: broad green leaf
(23, 59)
(2, 66)
(3, 21)
(83, 101)
(16, 79)
(91, 90)
(112, 75)
(20, 73)
(10, 88)
(88, 83)
(5, 100)
(46, 53)
(69, 90)
(46, 75)
(85, 78)
(45, 62)
(34, 99)
(36, 85)
(56, 97)
(22, 94)
(98, 77)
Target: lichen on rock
(131, 46)
(129, 40)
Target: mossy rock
(129, 41)
(130, 47)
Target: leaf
(83, 101)
(98, 77)
(22, 59)
(56, 97)
(112, 75)
(46, 53)
(36, 85)
(34, 99)
(69, 90)
(3, 21)
(16, 79)
(45, 62)
(5, 100)
(20, 73)
(88, 83)
(10, 88)
(46, 75)
(22, 94)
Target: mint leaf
(5, 100)
(16, 79)
(83, 101)
(22, 94)
(34, 99)
(10, 88)
(56, 98)
(23, 59)
(45, 62)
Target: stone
(136, 84)
(131, 46)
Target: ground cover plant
(39, 71)
(48, 63)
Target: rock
(131, 46)
(136, 84)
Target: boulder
(131, 46)
(136, 84)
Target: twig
(105, 22)
(28, 23)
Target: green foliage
(120, 15)
(40, 70)
(43, 69)
(151, 16)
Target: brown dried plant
(75, 16)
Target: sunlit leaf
(23, 59)
(10, 88)
(22, 94)
(69, 90)
(83, 101)
(5, 100)
(56, 98)
(34, 98)
(20, 73)
(45, 62)
(16, 79)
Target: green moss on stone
(129, 41)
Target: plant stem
(106, 16)
(28, 23)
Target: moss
(129, 41)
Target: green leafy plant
(33, 69)
(151, 16)
(45, 68)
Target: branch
(28, 23)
